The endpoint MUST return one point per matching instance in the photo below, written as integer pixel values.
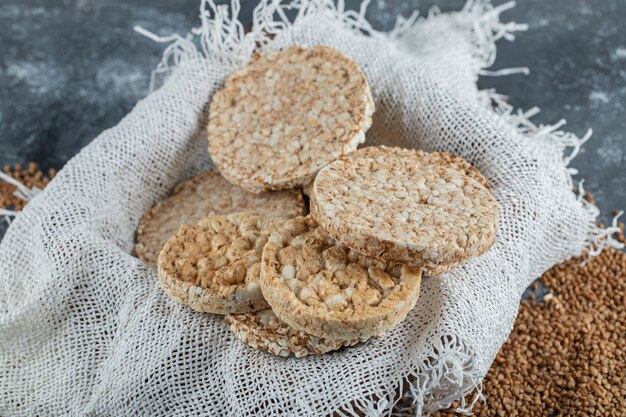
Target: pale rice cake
(200, 196)
(406, 207)
(320, 287)
(285, 115)
(433, 157)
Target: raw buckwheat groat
(264, 331)
(418, 210)
(285, 115)
(316, 285)
(214, 265)
(200, 196)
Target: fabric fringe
(598, 238)
(487, 29)
(449, 374)
(222, 37)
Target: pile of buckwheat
(31, 176)
(566, 355)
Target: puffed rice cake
(264, 331)
(316, 285)
(202, 195)
(406, 207)
(214, 265)
(285, 115)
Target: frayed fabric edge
(597, 238)
(221, 37)
(448, 373)
(488, 29)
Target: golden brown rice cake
(202, 195)
(214, 265)
(264, 331)
(406, 207)
(316, 285)
(285, 115)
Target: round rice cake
(421, 211)
(318, 286)
(264, 331)
(285, 115)
(200, 196)
(214, 265)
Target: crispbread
(285, 115)
(202, 195)
(264, 331)
(318, 286)
(214, 265)
(407, 208)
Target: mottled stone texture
(71, 68)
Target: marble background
(71, 68)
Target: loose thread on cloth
(598, 238)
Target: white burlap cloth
(85, 328)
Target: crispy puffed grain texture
(264, 331)
(439, 158)
(200, 196)
(436, 158)
(214, 265)
(399, 208)
(316, 285)
(285, 115)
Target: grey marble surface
(71, 68)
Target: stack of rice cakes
(238, 241)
